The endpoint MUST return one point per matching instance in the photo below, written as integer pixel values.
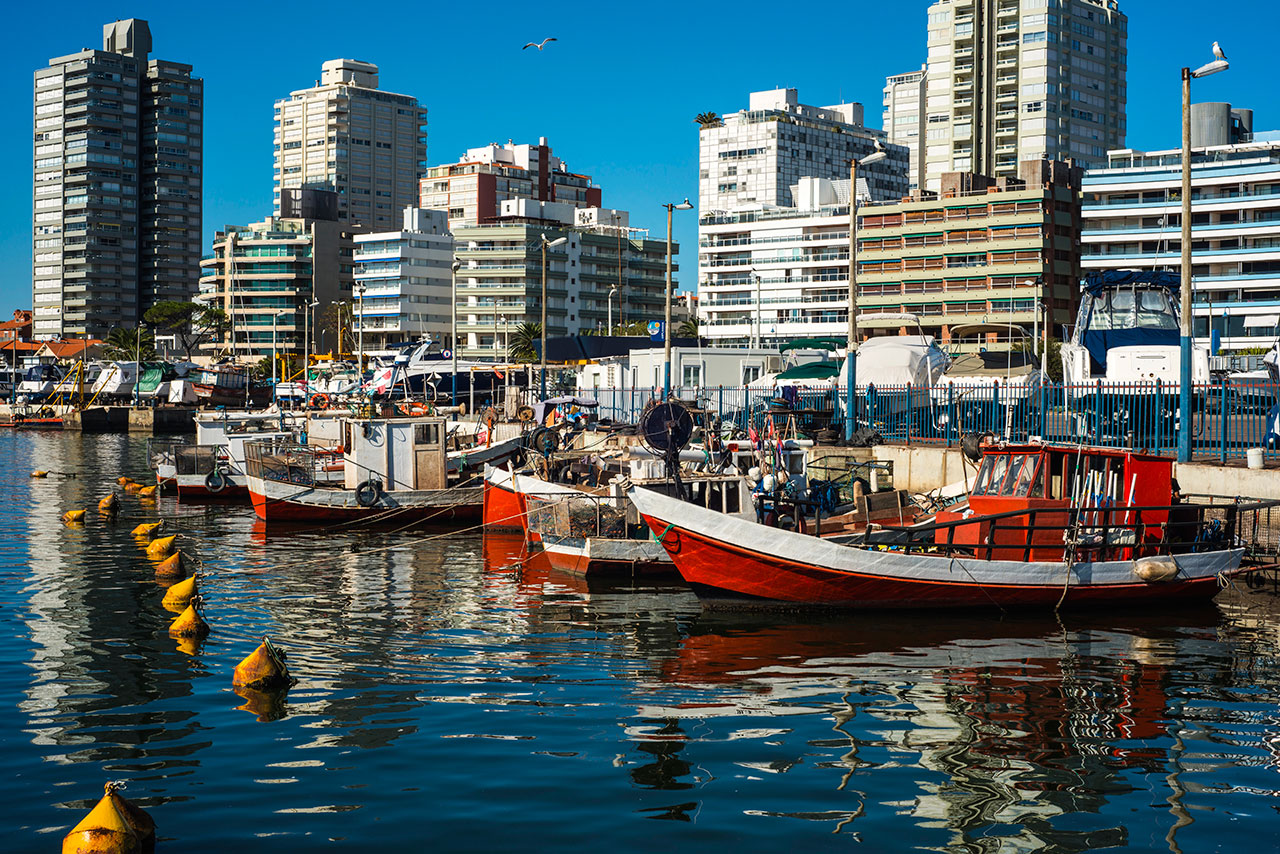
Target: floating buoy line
(115, 825)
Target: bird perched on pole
(1217, 51)
(543, 43)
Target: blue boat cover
(1103, 280)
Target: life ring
(525, 413)
(367, 493)
(215, 481)
(414, 408)
(319, 400)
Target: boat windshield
(1149, 308)
(1009, 475)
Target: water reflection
(441, 675)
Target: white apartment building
(473, 189)
(1132, 215)
(346, 135)
(1014, 80)
(403, 282)
(754, 156)
(904, 109)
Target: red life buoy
(320, 400)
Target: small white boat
(989, 389)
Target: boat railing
(576, 516)
(1087, 534)
(163, 450)
(283, 461)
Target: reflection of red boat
(1116, 550)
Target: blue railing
(1228, 417)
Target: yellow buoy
(123, 480)
(109, 505)
(170, 567)
(39, 473)
(148, 529)
(147, 491)
(113, 826)
(178, 596)
(132, 487)
(263, 669)
(74, 517)
(161, 546)
(189, 624)
(267, 706)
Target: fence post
(1223, 420)
(1044, 415)
(911, 414)
(951, 413)
(720, 405)
(1098, 413)
(995, 410)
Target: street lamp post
(306, 356)
(360, 334)
(453, 333)
(545, 243)
(1184, 375)
(756, 275)
(609, 302)
(666, 323)
(275, 358)
(851, 346)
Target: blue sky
(615, 95)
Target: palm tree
(524, 342)
(127, 345)
(687, 328)
(708, 120)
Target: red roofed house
(15, 339)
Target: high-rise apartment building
(605, 269)
(265, 276)
(473, 189)
(1015, 80)
(754, 156)
(904, 110)
(1132, 213)
(984, 250)
(402, 282)
(346, 135)
(117, 185)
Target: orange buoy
(161, 546)
(171, 567)
(113, 826)
(132, 487)
(178, 596)
(147, 491)
(263, 669)
(189, 624)
(123, 480)
(73, 517)
(148, 529)
(109, 505)
(39, 473)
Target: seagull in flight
(543, 43)
(1217, 51)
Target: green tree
(334, 329)
(524, 342)
(687, 328)
(191, 323)
(1052, 358)
(125, 344)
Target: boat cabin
(1107, 484)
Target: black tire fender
(367, 493)
(215, 481)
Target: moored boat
(1046, 526)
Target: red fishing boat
(1046, 525)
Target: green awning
(812, 344)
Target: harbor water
(454, 693)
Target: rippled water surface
(454, 695)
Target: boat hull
(193, 487)
(284, 502)
(600, 556)
(504, 508)
(735, 562)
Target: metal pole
(544, 318)
(1184, 377)
(609, 309)
(453, 332)
(758, 320)
(666, 327)
(851, 357)
(360, 333)
(306, 353)
(275, 315)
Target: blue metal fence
(1228, 419)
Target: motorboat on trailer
(894, 373)
(1046, 525)
(39, 382)
(1121, 364)
(990, 389)
(394, 471)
